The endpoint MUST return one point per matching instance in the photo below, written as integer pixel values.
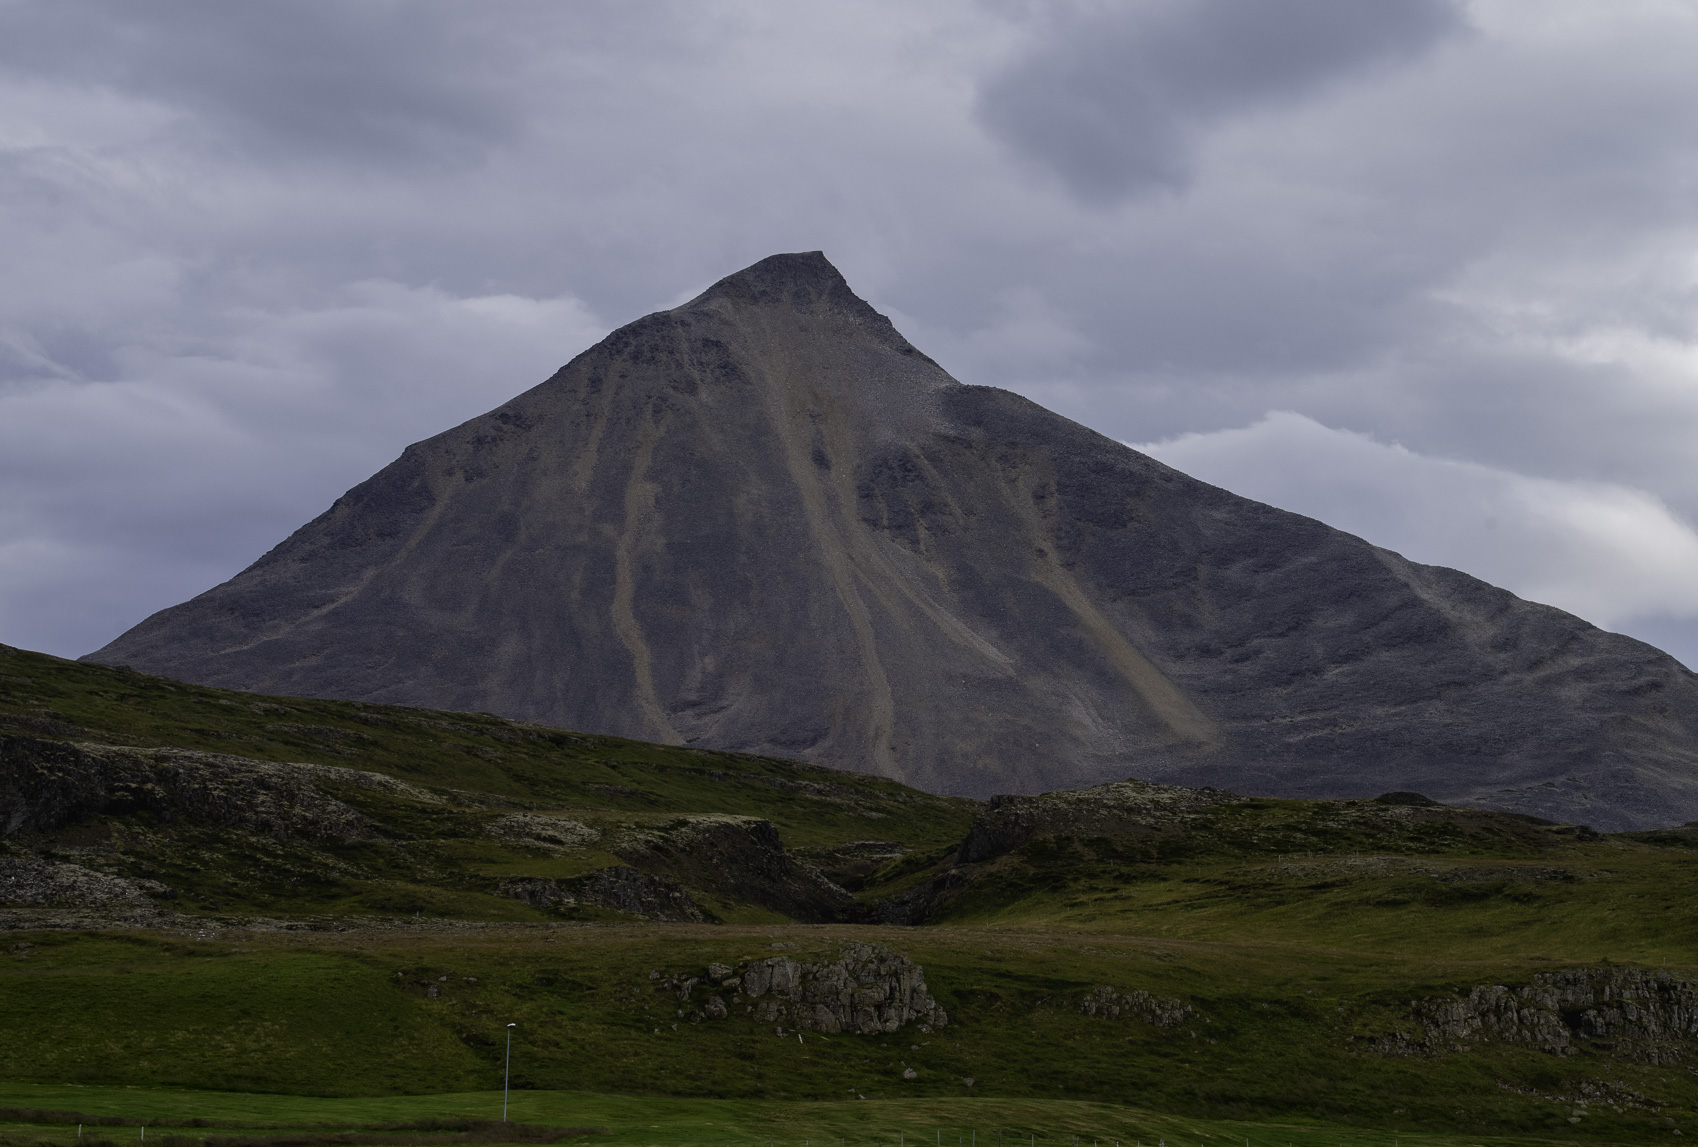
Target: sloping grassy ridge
(429, 849)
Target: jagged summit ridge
(763, 520)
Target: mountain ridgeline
(764, 522)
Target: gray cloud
(1111, 96)
(356, 81)
(253, 250)
(1610, 553)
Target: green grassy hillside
(312, 932)
(431, 850)
(1430, 881)
(49, 697)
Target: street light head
(512, 1025)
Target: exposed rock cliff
(763, 520)
(868, 989)
(1632, 1013)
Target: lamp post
(507, 1072)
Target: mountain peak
(799, 280)
(764, 522)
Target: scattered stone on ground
(1160, 1011)
(30, 883)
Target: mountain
(764, 521)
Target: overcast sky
(1425, 269)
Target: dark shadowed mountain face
(764, 521)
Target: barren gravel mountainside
(764, 521)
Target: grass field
(668, 1122)
(1276, 1033)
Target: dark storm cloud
(361, 81)
(1111, 96)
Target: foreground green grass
(1279, 1032)
(647, 1122)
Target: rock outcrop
(30, 883)
(868, 989)
(739, 857)
(1129, 811)
(548, 833)
(1120, 809)
(1631, 1013)
(763, 520)
(49, 786)
(618, 887)
(1159, 1011)
(45, 785)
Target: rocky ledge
(46, 785)
(1631, 1013)
(546, 833)
(868, 989)
(1127, 808)
(617, 887)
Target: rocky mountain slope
(764, 521)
